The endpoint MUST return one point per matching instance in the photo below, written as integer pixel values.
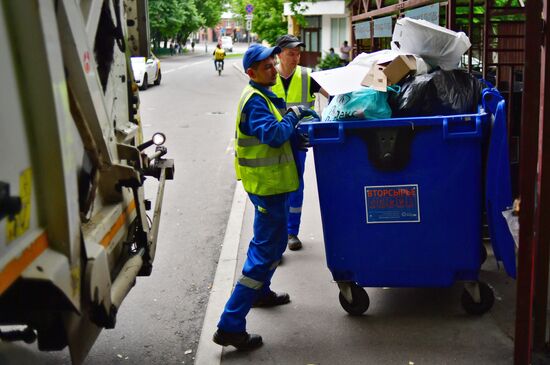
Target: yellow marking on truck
(21, 222)
(16, 266)
(106, 240)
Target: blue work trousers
(264, 253)
(296, 198)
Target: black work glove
(303, 113)
(308, 114)
(303, 142)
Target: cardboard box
(376, 78)
(386, 73)
(399, 68)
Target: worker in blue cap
(265, 164)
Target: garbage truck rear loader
(74, 229)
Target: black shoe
(294, 243)
(272, 299)
(242, 341)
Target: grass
(233, 55)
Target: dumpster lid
(498, 190)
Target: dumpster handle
(338, 139)
(450, 135)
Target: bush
(330, 61)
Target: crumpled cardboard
(386, 73)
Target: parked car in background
(146, 71)
(227, 43)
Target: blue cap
(257, 52)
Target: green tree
(166, 18)
(210, 11)
(176, 19)
(193, 21)
(268, 21)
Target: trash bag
(438, 93)
(438, 46)
(362, 104)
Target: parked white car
(146, 71)
(227, 43)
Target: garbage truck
(76, 226)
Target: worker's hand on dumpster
(308, 114)
(303, 142)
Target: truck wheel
(145, 84)
(360, 301)
(487, 299)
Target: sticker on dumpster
(392, 204)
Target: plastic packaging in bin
(401, 202)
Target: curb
(208, 353)
(241, 71)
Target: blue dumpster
(402, 201)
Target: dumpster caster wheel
(486, 298)
(359, 300)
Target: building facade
(328, 26)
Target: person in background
(192, 46)
(345, 52)
(219, 56)
(265, 164)
(295, 85)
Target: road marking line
(186, 66)
(208, 353)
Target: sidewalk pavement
(402, 326)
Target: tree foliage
(268, 21)
(176, 19)
(211, 11)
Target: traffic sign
(249, 25)
(249, 8)
(249, 16)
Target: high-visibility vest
(298, 89)
(219, 54)
(263, 170)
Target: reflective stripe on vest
(297, 93)
(266, 161)
(250, 283)
(295, 210)
(248, 142)
(263, 170)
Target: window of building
(338, 32)
(311, 34)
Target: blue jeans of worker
(296, 198)
(264, 253)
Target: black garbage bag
(437, 93)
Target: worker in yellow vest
(295, 85)
(265, 164)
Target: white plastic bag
(438, 46)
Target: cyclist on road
(219, 55)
